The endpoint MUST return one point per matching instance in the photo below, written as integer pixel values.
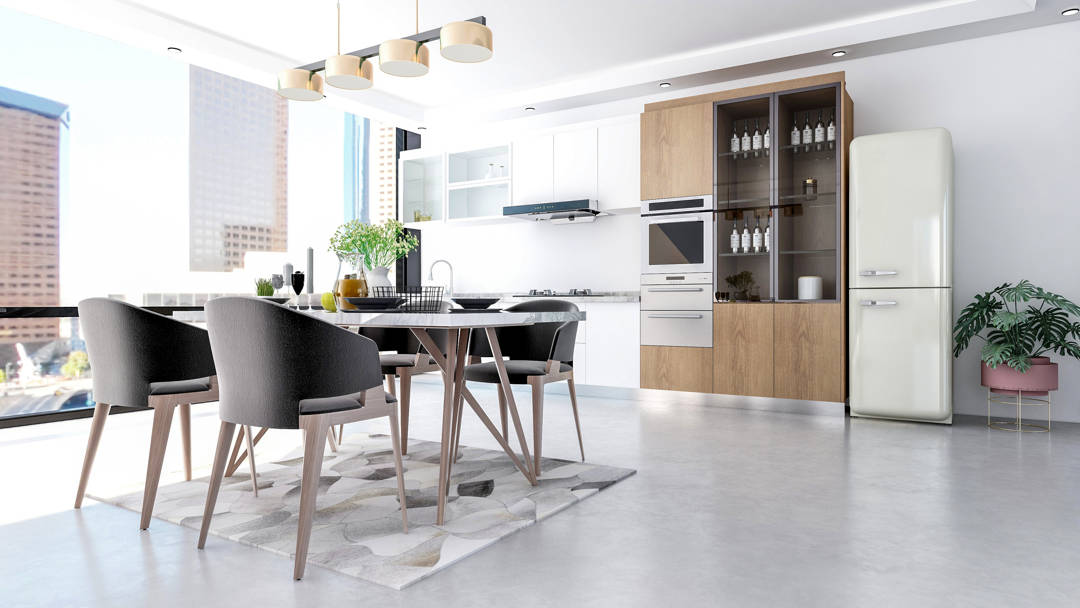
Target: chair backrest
(269, 358)
(538, 342)
(130, 347)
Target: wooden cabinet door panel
(676, 152)
(676, 368)
(743, 349)
(810, 349)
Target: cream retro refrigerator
(900, 276)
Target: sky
(124, 207)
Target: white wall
(1009, 100)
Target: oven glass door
(677, 243)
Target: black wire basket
(418, 298)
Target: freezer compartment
(901, 191)
(899, 353)
(676, 328)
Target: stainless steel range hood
(562, 212)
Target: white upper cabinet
(619, 167)
(532, 169)
(575, 165)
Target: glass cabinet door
(422, 189)
(744, 191)
(808, 191)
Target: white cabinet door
(618, 156)
(533, 169)
(899, 355)
(613, 352)
(575, 165)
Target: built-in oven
(677, 235)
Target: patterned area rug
(357, 525)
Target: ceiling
(552, 55)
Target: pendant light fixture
(404, 57)
(465, 42)
(347, 71)
(300, 85)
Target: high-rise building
(382, 173)
(237, 170)
(31, 131)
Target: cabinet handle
(869, 303)
(675, 316)
(877, 273)
(676, 289)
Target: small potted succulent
(742, 283)
(1019, 325)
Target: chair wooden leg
(403, 407)
(395, 441)
(315, 434)
(340, 433)
(538, 423)
(391, 388)
(159, 439)
(577, 420)
(236, 458)
(251, 460)
(221, 459)
(185, 437)
(101, 412)
(332, 441)
(502, 413)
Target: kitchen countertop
(605, 297)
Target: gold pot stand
(1019, 401)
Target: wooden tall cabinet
(676, 151)
(777, 341)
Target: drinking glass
(298, 285)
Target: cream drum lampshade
(300, 85)
(465, 42)
(810, 288)
(403, 57)
(349, 72)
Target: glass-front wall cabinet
(422, 189)
(777, 187)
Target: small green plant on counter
(742, 283)
(1012, 336)
(263, 287)
(380, 245)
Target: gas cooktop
(576, 293)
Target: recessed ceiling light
(839, 53)
(174, 49)
(1069, 12)
(664, 85)
(421, 128)
(530, 109)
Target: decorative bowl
(475, 303)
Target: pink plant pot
(1040, 379)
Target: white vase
(376, 277)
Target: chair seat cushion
(175, 387)
(339, 403)
(393, 360)
(517, 371)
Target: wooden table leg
(449, 374)
(504, 380)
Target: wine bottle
(819, 130)
(757, 138)
(768, 232)
(756, 237)
(734, 137)
(734, 238)
(807, 132)
(745, 241)
(830, 131)
(746, 138)
(795, 133)
(766, 140)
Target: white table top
(464, 320)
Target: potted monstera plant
(1019, 326)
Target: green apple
(328, 302)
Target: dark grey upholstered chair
(538, 354)
(405, 359)
(141, 359)
(283, 369)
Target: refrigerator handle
(877, 273)
(869, 303)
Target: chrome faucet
(431, 276)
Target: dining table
(459, 327)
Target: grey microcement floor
(729, 507)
